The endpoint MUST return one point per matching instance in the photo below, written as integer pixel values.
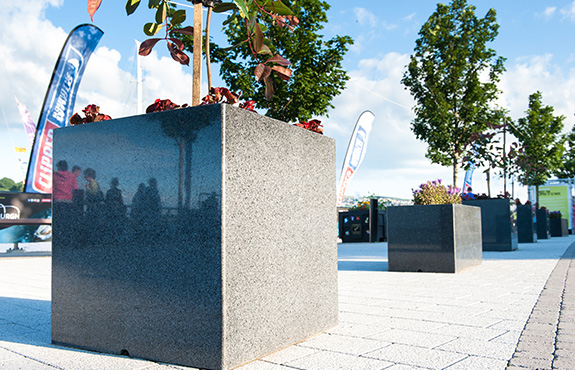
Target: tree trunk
(455, 170)
(488, 179)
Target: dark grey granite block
(217, 247)
(434, 238)
(543, 228)
(498, 228)
(526, 232)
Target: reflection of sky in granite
(146, 152)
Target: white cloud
(549, 11)
(365, 17)
(527, 75)
(568, 12)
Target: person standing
(64, 183)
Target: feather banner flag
(59, 103)
(355, 152)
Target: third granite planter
(558, 227)
(498, 227)
(543, 227)
(434, 238)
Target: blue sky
(536, 37)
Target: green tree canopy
(453, 77)
(7, 184)
(317, 72)
(566, 169)
(539, 135)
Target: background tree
(7, 184)
(567, 168)
(317, 72)
(447, 77)
(539, 135)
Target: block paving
(514, 311)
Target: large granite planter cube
(434, 238)
(558, 227)
(498, 228)
(543, 227)
(224, 254)
(526, 232)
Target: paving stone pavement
(514, 311)
(548, 339)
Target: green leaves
(443, 76)
(178, 17)
(162, 12)
(224, 7)
(539, 134)
(317, 74)
(150, 29)
(243, 8)
(131, 6)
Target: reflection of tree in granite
(184, 132)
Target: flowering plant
(434, 192)
(555, 214)
(360, 206)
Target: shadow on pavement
(25, 321)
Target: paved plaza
(514, 311)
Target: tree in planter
(567, 168)
(169, 18)
(490, 149)
(539, 134)
(318, 73)
(445, 78)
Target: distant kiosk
(556, 195)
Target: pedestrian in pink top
(64, 183)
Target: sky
(535, 36)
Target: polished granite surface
(212, 242)
(434, 238)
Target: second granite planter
(434, 238)
(526, 232)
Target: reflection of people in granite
(114, 199)
(153, 215)
(93, 193)
(139, 204)
(153, 198)
(94, 216)
(64, 184)
(116, 208)
(78, 194)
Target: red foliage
(218, 94)
(163, 105)
(313, 125)
(92, 114)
